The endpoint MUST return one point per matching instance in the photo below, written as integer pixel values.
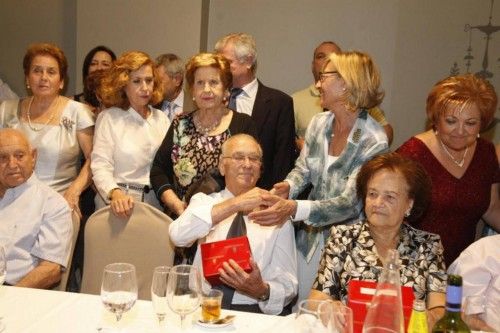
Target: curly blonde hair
(117, 77)
(361, 77)
(461, 91)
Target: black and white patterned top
(350, 253)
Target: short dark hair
(417, 179)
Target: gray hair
(244, 47)
(172, 63)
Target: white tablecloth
(33, 310)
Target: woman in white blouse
(128, 133)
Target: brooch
(67, 123)
(356, 135)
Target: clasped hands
(268, 207)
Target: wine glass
(183, 291)
(119, 288)
(159, 292)
(336, 316)
(310, 317)
(479, 313)
(3, 265)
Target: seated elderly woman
(395, 189)
(193, 144)
(128, 133)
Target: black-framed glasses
(241, 158)
(324, 75)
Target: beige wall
(414, 42)
(23, 22)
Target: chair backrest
(65, 275)
(141, 240)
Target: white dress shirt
(479, 266)
(124, 147)
(245, 100)
(35, 225)
(273, 248)
(175, 107)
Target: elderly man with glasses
(272, 283)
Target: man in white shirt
(270, 109)
(171, 71)
(479, 266)
(306, 102)
(272, 284)
(35, 221)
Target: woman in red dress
(463, 167)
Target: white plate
(214, 326)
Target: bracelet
(435, 307)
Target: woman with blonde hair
(192, 146)
(462, 165)
(128, 133)
(337, 143)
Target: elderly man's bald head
(17, 159)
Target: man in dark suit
(271, 109)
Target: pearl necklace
(205, 129)
(460, 163)
(28, 115)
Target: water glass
(159, 292)
(183, 291)
(211, 303)
(119, 288)
(336, 316)
(311, 317)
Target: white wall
(152, 26)
(414, 43)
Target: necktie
(237, 228)
(235, 92)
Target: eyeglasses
(241, 158)
(324, 75)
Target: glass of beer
(211, 305)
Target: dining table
(38, 311)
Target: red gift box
(215, 253)
(360, 294)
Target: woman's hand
(250, 284)
(72, 196)
(278, 210)
(172, 202)
(281, 189)
(121, 204)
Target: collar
(250, 89)
(137, 117)
(179, 100)
(18, 190)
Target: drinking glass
(211, 303)
(3, 265)
(336, 316)
(183, 291)
(479, 313)
(310, 317)
(119, 288)
(159, 292)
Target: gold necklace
(28, 115)
(460, 163)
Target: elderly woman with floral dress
(192, 146)
(395, 190)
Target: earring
(193, 99)
(407, 214)
(436, 132)
(28, 85)
(344, 89)
(478, 136)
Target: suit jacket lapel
(260, 110)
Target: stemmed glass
(119, 288)
(159, 292)
(336, 316)
(183, 291)
(311, 317)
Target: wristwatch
(265, 296)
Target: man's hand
(278, 211)
(281, 189)
(121, 204)
(250, 284)
(250, 200)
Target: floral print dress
(350, 254)
(193, 153)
